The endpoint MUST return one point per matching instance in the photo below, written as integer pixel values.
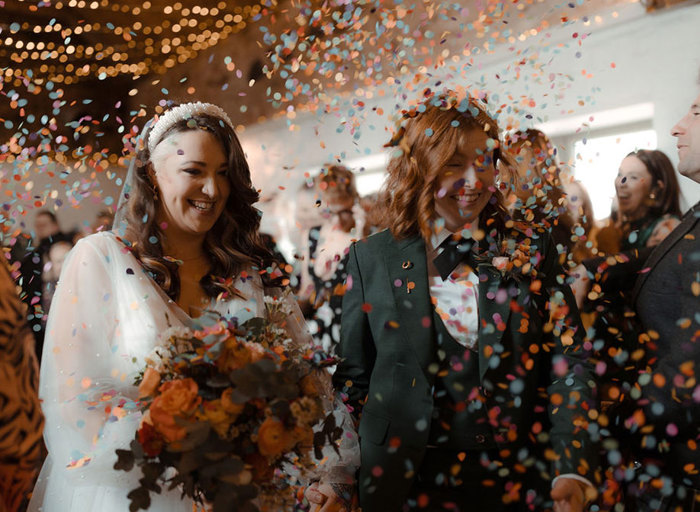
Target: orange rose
(234, 355)
(177, 399)
(149, 383)
(273, 438)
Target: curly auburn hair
(232, 243)
(428, 137)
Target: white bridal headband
(184, 111)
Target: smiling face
(687, 130)
(190, 170)
(633, 185)
(466, 182)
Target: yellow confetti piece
(85, 383)
(134, 305)
(695, 288)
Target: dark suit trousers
(444, 483)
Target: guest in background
(536, 191)
(648, 209)
(374, 213)
(103, 221)
(648, 199)
(323, 273)
(581, 211)
(21, 420)
(52, 271)
(47, 232)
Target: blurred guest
(103, 221)
(21, 420)
(52, 271)
(374, 212)
(666, 300)
(47, 232)
(536, 191)
(648, 209)
(323, 273)
(648, 199)
(581, 211)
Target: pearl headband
(184, 111)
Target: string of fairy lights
(90, 39)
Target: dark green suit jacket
(530, 362)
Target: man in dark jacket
(666, 299)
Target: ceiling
(76, 72)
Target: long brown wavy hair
(231, 244)
(428, 137)
(666, 197)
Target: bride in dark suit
(461, 341)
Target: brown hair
(337, 181)
(231, 243)
(549, 209)
(429, 136)
(661, 170)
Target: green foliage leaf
(140, 499)
(125, 460)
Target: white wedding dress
(106, 315)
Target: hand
(569, 495)
(582, 284)
(324, 499)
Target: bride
(185, 241)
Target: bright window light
(598, 160)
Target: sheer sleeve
(88, 400)
(335, 467)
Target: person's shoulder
(376, 241)
(104, 245)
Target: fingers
(315, 497)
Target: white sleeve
(90, 406)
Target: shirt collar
(437, 238)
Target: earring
(155, 191)
(652, 196)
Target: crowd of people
(498, 348)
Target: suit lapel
(689, 220)
(493, 316)
(408, 274)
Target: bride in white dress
(186, 240)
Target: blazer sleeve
(572, 384)
(356, 349)
(618, 272)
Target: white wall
(656, 58)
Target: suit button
(480, 438)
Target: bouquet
(231, 414)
